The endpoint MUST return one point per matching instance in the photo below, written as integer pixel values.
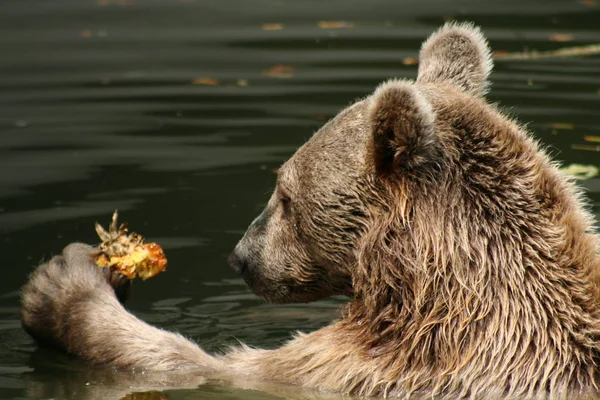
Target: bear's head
(416, 191)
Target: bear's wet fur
(471, 263)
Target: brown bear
(470, 262)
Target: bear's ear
(459, 54)
(403, 126)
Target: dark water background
(99, 110)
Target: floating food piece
(558, 37)
(280, 71)
(580, 171)
(205, 81)
(576, 51)
(561, 125)
(585, 147)
(127, 252)
(272, 27)
(595, 139)
(335, 24)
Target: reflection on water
(177, 112)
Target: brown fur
(471, 266)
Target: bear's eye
(286, 205)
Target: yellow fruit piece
(127, 253)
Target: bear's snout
(237, 262)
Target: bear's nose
(237, 263)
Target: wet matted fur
(471, 264)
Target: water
(98, 110)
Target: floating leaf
(86, 33)
(561, 125)
(272, 27)
(335, 24)
(559, 37)
(581, 171)
(241, 82)
(592, 139)
(586, 147)
(280, 71)
(205, 81)
(410, 61)
(588, 3)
